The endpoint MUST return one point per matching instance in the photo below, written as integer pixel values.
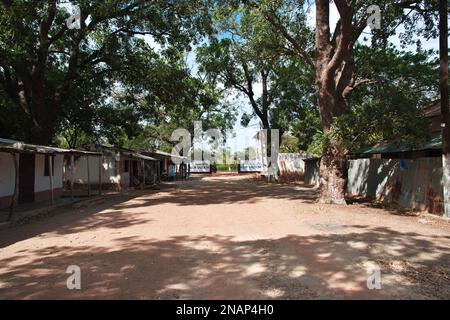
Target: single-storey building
(401, 177)
(168, 169)
(120, 169)
(31, 173)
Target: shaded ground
(225, 238)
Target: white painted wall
(291, 162)
(108, 170)
(7, 174)
(125, 179)
(41, 182)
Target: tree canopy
(123, 78)
(103, 77)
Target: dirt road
(225, 238)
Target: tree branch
(275, 22)
(341, 50)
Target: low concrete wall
(312, 172)
(290, 162)
(413, 184)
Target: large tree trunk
(42, 128)
(269, 139)
(334, 75)
(273, 150)
(45, 111)
(41, 107)
(42, 123)
(333, 176)
(333, 166)
(40, 135)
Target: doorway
(26, 177)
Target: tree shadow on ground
(72, 220)
(219, 191)
(221, 267)
(114, 213)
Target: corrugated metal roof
(21, 147)
(166, 154)
(127, 152)
(139, 156)
(396, 147)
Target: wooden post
(100, 166)
(50, 174)
(16, 187)
(72, 165)
(158, 167)
(143, 173)
(154, 171)
(130, 171)
(118, 170)
(88, 176)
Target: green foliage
(247, 56)
(391, 105)
(289, 144)
(318, 142)
(11, 119)
(121, 91)
(69, 75)
(386, 108)
(307, 128)
(225, 167)
(404, 83)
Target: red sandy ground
(225, 237)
